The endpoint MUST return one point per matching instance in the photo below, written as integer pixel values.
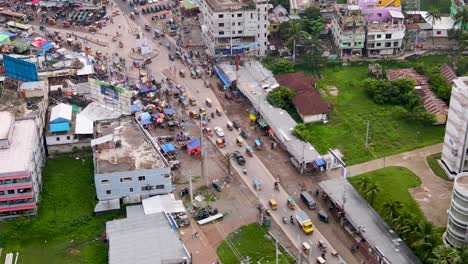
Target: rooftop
(462, 182)
(144, 239)
(361, 215)
(444, 23)
(6, 119)
(462, 83)
(20, 148)
(310, 103)
(128, 149)
(376, 26)
(448, 72)
(231, 5)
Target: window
(105, 182)
(239, 15)
(239, 23)
(68, 137)
(57, 138)
(388, 36)
(2, 192)
(379, 14)
(258, 26)
(131, 189)
(439, 32)
(160, 186)
(264, 25)
(141, 178)
(251, 15)
(232, 15)
(108, 192)
(220, 16)
(264, 35)
(126, 179)
(378, 44)
(221, 24)
(379, 36)
(221, 32)
(388, 44)
(233, 32)
(11, 191)
(395, 44)
(371, 45)
(239, 32)
(233, 23)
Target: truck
(304, 222)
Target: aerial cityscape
(234, 131)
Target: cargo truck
(304, 222)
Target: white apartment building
(385, 38)
(235, 27)
(455, 149)
(457, 224)
(348, 30)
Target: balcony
(17, 207)
(17, 196)
(15, 186)
(14, 181)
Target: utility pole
(202, 151)
(294, 50)
(190, 184)
(367, 134)
(276, 251)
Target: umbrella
(150, 95)
(159, 120)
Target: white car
(219, 131)
(150, 1)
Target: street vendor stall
(194, 147)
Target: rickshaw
(290, 203)
(185, 105)
(208, 102)
(192, 101)
(306, 248)
(258, 144)
(202, 111)
(220, 143)
(208, 131)
(257, 185)
(249, 151)
(182, 73)
(273, 204)
(181, 99)
(183, 91)
(244, 134)
(193, 74)
(121, 44)
(322, 216)
(193, 114)
(322, 245)
(239, 141)
(217, 185)
(230, 127)
(66, 24)
(321, 260)
(218, 111)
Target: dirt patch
(73, 252)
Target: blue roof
(145, 89)
(47, 46)
(193, 143)
(169, 111)
(320, 162)
(8, 33)
(59, 127)
(134, 108)
(168, 148)
(145, 118)
(223, 77)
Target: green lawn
(389, 133)
(65, 230)
(250, 240)
(442, 5)
(435, 167)
(394, 182)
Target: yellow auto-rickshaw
(202, 111)
(273, 204)
(220, 143)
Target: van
(308, 200)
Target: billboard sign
(110, 92)
(19, 69)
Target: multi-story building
(127, 162)
(21, 161)
(457, 224)
(455, 149)
(348, 30)
(385, 38)
(378, 10)
(231, 27)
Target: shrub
(282, 66)
(281, 97)
(440, 86)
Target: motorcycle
(292, 219)
(245, 171)
(277, 186)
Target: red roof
(448, 72)
(310, 103)
(296, 81)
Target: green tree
(445, 255)
(464, 254)
(311, 12)
(461, 20)
(391, 209)
(420, 115)
(364, 184)
(404, 224)
(372, 191)
(440, 86)
(462, 63)
(282, 66)
(424, 239)
(281, 97)
(434, 16)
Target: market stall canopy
(4, 39)
(145, 118)
(166, 148)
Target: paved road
(434, 194)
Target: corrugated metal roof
(61, 113)
(83, 125)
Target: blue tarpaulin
(145, 118)
(145, 89)
(223, 77)
(194, 143)
(320, 162)
(59, 127)
(134, 108)
(8, 33)
(47, 46)
(169, 111)
(167, 148)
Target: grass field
(389, 132)
(394, 182)
(442, 5)
(435, 167)
(251, 240)
(65, 230)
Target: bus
(15, 27)
(10, 15)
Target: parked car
(236, 124)
(219, 131)
(238, 157)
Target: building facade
(457, 225)
(348, 30)
(235, 27)
(455, 148)
(385, 38)
(128, 163)
(21, 162)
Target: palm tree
(372, 191)
(461, 19)
(433, 16)
(391, 209)
(363, 184)
(404, 224)
(424, 239)
(445, 255)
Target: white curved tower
(457, 226)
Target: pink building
(371, 12)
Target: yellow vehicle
(304, 222)
(220, 143)
(192, 101)
(202, 111)
(273, 204)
